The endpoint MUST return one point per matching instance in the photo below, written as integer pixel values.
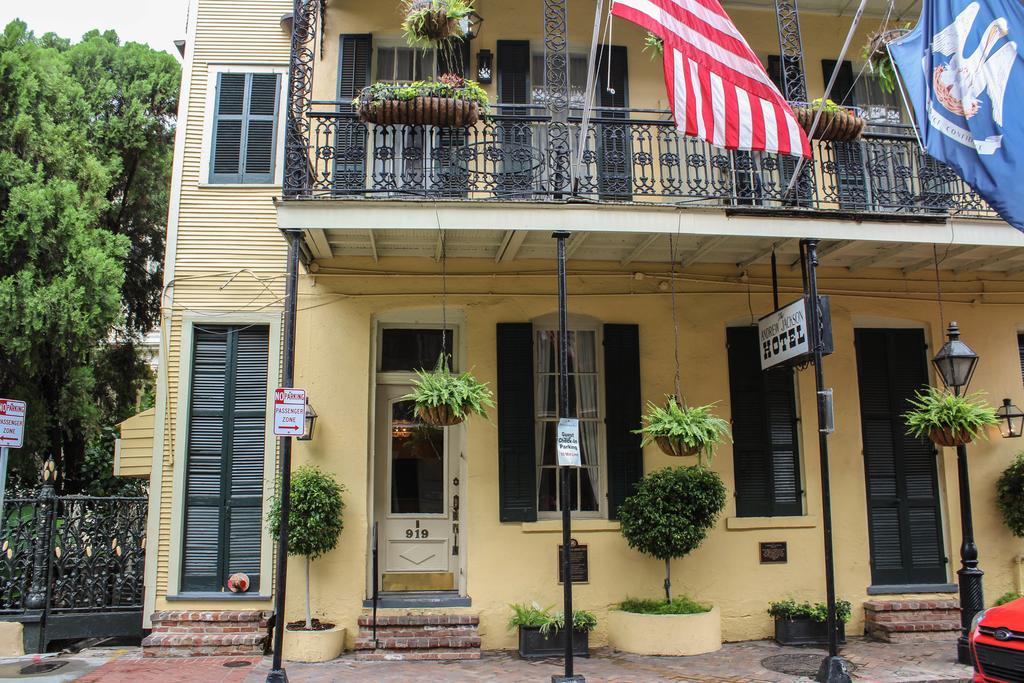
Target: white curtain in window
(587, 404)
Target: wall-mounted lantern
(484, 66)
(310, 423)
(287, 22)
(1011, 420)
(471, 24)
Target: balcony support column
(305, 19)
(791, 51)
(556, 81)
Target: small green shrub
(678, 605)
(790, 609)
(941, 409)
(463, 394)
(535, 616)
(1008, 597)
(1010, 496)
(696, 427)
(670, 513)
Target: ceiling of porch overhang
(633, 248)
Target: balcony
(628, 156)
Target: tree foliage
(1010, 496)
(86, 142)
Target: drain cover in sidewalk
(796, 664)
(25, 669)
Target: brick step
(389, 643)
(219, 617)
(366, 620)
(435, 654)
(919, 615)
(420, 632)
(204, 640)
(913, 631)
(910, 605)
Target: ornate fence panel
(628, 155)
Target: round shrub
(315, 513)
(1010, 496)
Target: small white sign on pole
(569, 443)
(12, 423)
(289, 412)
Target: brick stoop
(419, 637)
(198, 634)
(904, 621)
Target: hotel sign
(784, 337)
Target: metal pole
(972, 599)
(833, 669)
(565, 472)
(277, 673)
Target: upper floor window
(400, 64)
(246, 121)
(577, 79)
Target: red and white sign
(289, 412)
(12, 423)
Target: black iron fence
(72, 566)
(628, 155)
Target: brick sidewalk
(735, 663)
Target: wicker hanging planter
(439, 416)
(675, 447)
(432, 23)
(833, 125)
(447, 112)
(946, 437)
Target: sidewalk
(736, 662)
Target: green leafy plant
(670, 513)
(456, 88)
(1008, 597)
(695, 427)
(790, 609)
(314, 518)
(879, 61)
(937, 409)
(1010, 496)
(678, 605)
(535, 616)
(431, 24)
(654, 45)
(461, 393)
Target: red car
(997, 643)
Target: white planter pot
(665, 634)
(313, 646)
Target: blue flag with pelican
(962, 70)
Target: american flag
(717, 88)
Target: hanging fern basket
(876, 47)
(839, 126)
(946, 437)
(432, 21)
(447, 112)
(677, 448)
(439, 416)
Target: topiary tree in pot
(670, 513)
(314, 520)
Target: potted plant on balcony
(314, 524)
(948, 419)
(837, 123)
(806, 624)
(430, 24)
(451, 102)
(668, 517)
(680, 430)
(876, 54)
(542, 632)
(444, 398)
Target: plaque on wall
(774, 552)
(579, 563)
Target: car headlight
(977, 619)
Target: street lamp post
(956, 362)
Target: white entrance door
(416, 498)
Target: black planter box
(533, 643)
(805, 631)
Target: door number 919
(417, 533)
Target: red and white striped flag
(717, 88)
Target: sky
(156, 22)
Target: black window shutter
(224, 467)
(842, 89)
(614, 157)
(456, 59)
(513, 71)
(245, 128)
(1020, 353)
(517, 458)
(623, 405)
(766, 457)
(350, 143)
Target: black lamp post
(956, 362)
(1011, 420)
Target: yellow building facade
(390, 270)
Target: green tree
(314, 519)
(86, 139)
(670, 513)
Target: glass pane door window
(417, 463)
(584, 404)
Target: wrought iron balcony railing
(628, 155)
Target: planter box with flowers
(451, 102)
(837, 123)
(948, 419)
(807, 624)
(542, 632)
